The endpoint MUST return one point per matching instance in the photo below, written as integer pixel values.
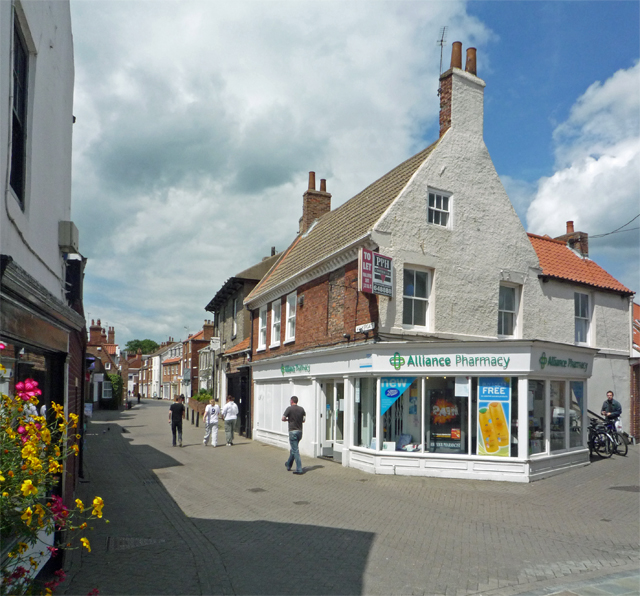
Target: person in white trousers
(211, 413)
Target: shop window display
(558, 415)
(576, 411)
(446, 404)
(401, 413)
(537, 425)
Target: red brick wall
(332, 307)
(445, 103)
(634, 422)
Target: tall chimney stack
(315, 203)
(578, 241)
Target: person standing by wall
(176, 414)
(211, 413)
(611, 408)
(295, 416)
(229, 415)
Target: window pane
(507, 298)
(421, 284)
(505, 323)
(444, 217)
(419, 312)
(445, 420)
(575, 413)
(430, 216)
(409, 288)
(436, 217)
(537, 442)
(365, 412)
(445, 203)
(558, 412)
(581, 331)
(438, 202)
(407, 311)
(431, 199)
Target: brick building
(425, 332)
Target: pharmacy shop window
(494, 414)
(365, 412)
(536, 403)
(401, 411)
(446, 405)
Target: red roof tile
(172, 360)
(243, 345)
(560, 262)
(110, 348)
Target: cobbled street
(232, 520)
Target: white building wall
(30, 237)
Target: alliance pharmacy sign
(375, 273)
(454, 360)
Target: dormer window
(438, 209)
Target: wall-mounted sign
(561, 362)
(290, 369)
(375, 273)
(366, 327)
(398, 361)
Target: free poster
(494, 416)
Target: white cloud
(597, 180)
(198, 122)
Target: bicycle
(620, 445)
(600, 441)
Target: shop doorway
(238, 386)
(332, 431)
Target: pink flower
(21, 430)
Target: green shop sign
(421, 361)
(559, 362)
(289, 369)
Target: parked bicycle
(600, 441)
(620, 444)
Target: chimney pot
(471, 61)
(456, 54)
(312, 180)
(323, 185)
(273, 251)
(569, 227)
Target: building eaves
(342, 226)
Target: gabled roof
(172, 360)
(343, 226)
(197, 336)
(560, 262)
(110, 348)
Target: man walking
(211, 413)
(295, 416)
(611, 408)
(229, 415)
(176, 414)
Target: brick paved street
(231, 520)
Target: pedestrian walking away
(229, 415)
(611, 408)
(296, 417)
(176, 414)
(211, 413)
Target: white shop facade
(492, 410)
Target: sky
(197, 123)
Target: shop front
(509, 410)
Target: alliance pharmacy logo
(397, 361)
(543, 360)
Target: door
(333, 419)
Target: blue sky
(198, 122)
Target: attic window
(438, 210)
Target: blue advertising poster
(494, 416)
(391, 388)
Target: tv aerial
(441, 41)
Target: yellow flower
(46, 435)
(75, 449)
(26, 516)
(98, 504)
(85, 543)
(79, 504)
(58, 409)
(22, 547)
(2, 369)
(48, 591)
(1, 476)
(5, 494)
(78, 437)
(73, 418)
(27, 489)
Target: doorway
(332, 431)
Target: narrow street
(231, 520)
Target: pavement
(232, 520)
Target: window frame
(262, 328)
(426, 299)
(276, 308)
(434, 212)
(234, 322)
(19, 112)
(517, 290)
(586, 319)
(290, 317)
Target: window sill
(289, 341)
(274, 346)
(261, 349)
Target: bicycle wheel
(603, 444)
(620, 444)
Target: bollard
(197, 419)
(191, 416)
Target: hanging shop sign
(375, 273)
(494, 416)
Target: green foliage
(203, 395)
(148, 346)
(117, 384)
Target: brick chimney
(578, 241)
(207, 330)
(95, 333)
(112, 335)
(461, 94)
(315, 203)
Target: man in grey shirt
(295, 416)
